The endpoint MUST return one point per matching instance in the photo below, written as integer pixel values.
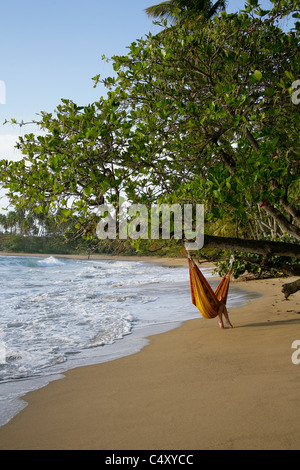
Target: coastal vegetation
(204, 112)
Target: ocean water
(61, 313)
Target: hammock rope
(202, 295)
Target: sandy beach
(196, 387)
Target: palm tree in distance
(167, 10)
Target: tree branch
(293, 211)
(283, 223)
(261, 247)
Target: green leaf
(236, 120)
(66, 212)
(257, 75)
(289, 75)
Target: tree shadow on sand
(290, 321)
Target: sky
(51, 49)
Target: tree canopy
(170, 9)
(200, 113)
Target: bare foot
(221, 324)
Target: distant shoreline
(153, 259)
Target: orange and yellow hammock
(203, 297)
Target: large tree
(195, 114)
(214, 118)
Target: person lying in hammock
(223, 311)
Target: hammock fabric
(203, 297)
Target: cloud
(2, 92)
(7, 150)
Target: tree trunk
(261, 247)
(290, 288)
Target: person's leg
(220, 313)
(226, 316)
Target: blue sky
(51, 49)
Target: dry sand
(195, 387)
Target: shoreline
(166, 261)
(193, 387)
